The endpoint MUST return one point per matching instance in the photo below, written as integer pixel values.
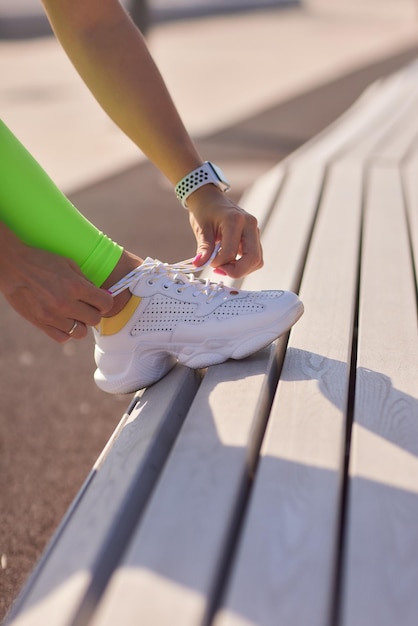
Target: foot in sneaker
(174, 317)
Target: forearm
(112, 58)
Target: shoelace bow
(181, 273)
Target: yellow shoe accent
(112, 325)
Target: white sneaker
(175, 317)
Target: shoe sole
(146, 369)
(205, 355)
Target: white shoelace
(181, 273)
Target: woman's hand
(48, 290)
(213, 217)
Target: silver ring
(73, 327)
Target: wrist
(207, 174)
(208, 194)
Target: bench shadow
(379, 407)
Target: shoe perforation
(163, 313)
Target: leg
(41, 216)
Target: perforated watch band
(208, 173)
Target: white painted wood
(381, 576)
(286, 236)
(260, 197)
(377, 104)
(400, 141)
(180, 543)
(384, 139)
(410, 185)
(284, 570)
(57, 590)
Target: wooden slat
(286, 237)
(381, 577)
(284, 570)
(396, 145)
(410, 179)
(90, 538)
(259, 199)
(384, 139)
(400, 142)
(377, 105)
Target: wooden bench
(282, 489)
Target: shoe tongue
(148, 264)
(154, 265)
(149, 261)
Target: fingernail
(220, 271)
(197, 258)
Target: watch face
(224, 183)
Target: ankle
(126, 264)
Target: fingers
(248, 253)
(205, 247)
(98, 299)
(56, 317)
(231, 235)
(62, 336)
(63, 327)
(78, 330)
(85, 292)
(83, 303)
(52, 293)
(55, 309)
(241, 251)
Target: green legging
(41, 216)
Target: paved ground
(26, 18)
(271, 81)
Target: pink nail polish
(220, 271)
(197, 258)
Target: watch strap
(206, 174)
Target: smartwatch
(206, 174)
